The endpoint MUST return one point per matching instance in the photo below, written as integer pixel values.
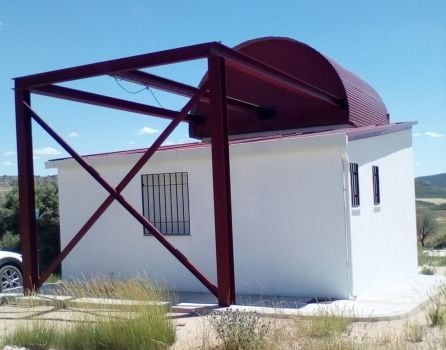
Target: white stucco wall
(383, 237)
(288, 218)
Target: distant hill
(433, 186)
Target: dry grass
(325, 324)
(227, 330)
(139, 325)
(331, 331)
(413, 332)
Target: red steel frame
(212, 91)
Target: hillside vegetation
(433, 186)
(431, 211)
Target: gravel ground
(194, 331)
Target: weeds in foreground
(413, 332)
(35, 335)
(323, 325)
(146, 330)
(435, 312)
(54, 278)
(240, 330)
(141, 324)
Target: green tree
(426, 226)
(9, 213)
(48, 230)
(47, 223)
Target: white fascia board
(285, 144)
(299, 143)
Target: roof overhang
(337, 135)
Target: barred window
(354, 184)
(376, 191)
(165, 204)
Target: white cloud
(146, 130)
(181, 141)
(178, 142)
(433, 134)
(36, 157)
(9, 153)
(7, 163)
(131, 143)
(46, 151)
(73, 134)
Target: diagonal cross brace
(115, 193)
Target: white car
(10, 270)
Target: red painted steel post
(27, 213)
(221, 182)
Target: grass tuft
(134, 321)
(34, 335)
(435, 312)
(326, 324)
(413, 332)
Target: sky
(398, 47)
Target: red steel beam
(218, 56)
(106, 101)
(221, 182)
(115, 195)
(27, 214)
(176, 55)
(148, 79)
(274, 76)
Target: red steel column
(221, 182)
(27, 213)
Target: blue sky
(399, 47)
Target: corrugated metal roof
(362, 104)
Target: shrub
(413, 332)
(240, 330)
(10, 241)
(428, 270)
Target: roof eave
(379, 130)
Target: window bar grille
(187, 227)
(376, 190)
(176, 196)
(354, 180)
(166, 202)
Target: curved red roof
(285, 110)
